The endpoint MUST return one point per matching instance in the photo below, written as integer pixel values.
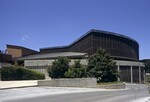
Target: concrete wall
(130, 71)
(76, 82)
(49, 62)
(129, 63)
(82, 61)
(41, 65)
(4, 64)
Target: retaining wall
(71, 82)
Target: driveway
(134, 92)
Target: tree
(102, 67)
(147, 68)
(76, 71)
(147, 65)
(59, 67)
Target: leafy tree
(76, 71)
(59, 67)
(147, 65)
(102, 67)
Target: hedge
(19, 73)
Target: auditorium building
(124, 50)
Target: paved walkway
(17, 84)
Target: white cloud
(24, 37)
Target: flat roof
(52, 55)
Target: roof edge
(90, 31)
(113, 33)
(16, 46)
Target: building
(19, 51)
(5, 59)
(118, 46)
(123, 49)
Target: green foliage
(148, 78)
(15, 63)
(147, 67)
(20, 73)
(59, 67)
(76, 71)
(102, 67)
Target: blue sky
(44, 23)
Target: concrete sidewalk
(17, 84)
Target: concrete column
(119, 72)
(139, 74)
(131, 75)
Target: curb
(18, 87)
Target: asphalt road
(134, 92)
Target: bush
(148, 78)
(58, 68)
(76, 71)
(102, 67)
(147, 66)
(20, 73)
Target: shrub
(148, 78)
(20, 73)
(59, 67)
(102, 67)
(76, 71)
(147, 67)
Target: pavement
(17, 84)
(145, 99)
(30, 92)
(14, 91)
